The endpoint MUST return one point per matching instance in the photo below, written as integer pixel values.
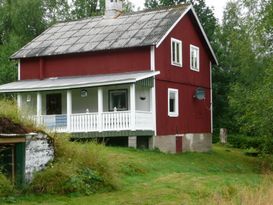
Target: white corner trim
(169, 31)
(19, 70)
(152, 58)
(154, 106)
(200, 26)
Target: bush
(6, 187)
(78, 168)
(264, 145)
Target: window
(118, 100)
(173, 102)
(176, 52)
(194, 55)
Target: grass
(223, 176)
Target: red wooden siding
(194, 116)
(117, 61)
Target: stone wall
(165, 143)
(197, 142)
(39, 152)
(190, 142)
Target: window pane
(118, 100)
(177, 53)
(172, 101)
(173, 47)
(172, 104)
(192, 58)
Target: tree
(87, 8)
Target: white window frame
(177, 62)
(192, 47)
(176, 106)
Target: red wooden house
(137, 79)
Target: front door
(54, 104)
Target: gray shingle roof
(100, 33)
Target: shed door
(54, 104)
(178, 144)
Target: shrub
(264, 145)
(78, 168)
(6, 187)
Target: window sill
(177, 64)
(173, 115)
(196, 70)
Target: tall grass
(78, 168)
(6, 186)
(261, 195)
(9, 110)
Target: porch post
(39, 107)
(153, 110)
(100, 109)
(133, 106)
(69, 109)
(19, 101)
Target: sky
(217, 4)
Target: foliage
(78, 168)
(6, 187)
(264, 145)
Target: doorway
(54, 104)
(179, 144)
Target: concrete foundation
(165, 143)
(190, 142)
(197, 142)
(132, 142)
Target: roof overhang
(190, 8)
(76, 82)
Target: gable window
(173, 102)
(176, 52)
(118, 100)
(194, 58)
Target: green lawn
(149, 177)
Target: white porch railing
(95, 122)
(144, 120)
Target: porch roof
(76, 82)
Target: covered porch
(101, 103)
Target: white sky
(217, 4)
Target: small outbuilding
(21, 155)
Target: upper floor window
(176, 52)
(173, 102)
(194, 58)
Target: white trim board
(200, 26)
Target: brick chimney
(113, 8)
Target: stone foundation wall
(197, 142)
(165, 143)
(39, 151)
(190, 142)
